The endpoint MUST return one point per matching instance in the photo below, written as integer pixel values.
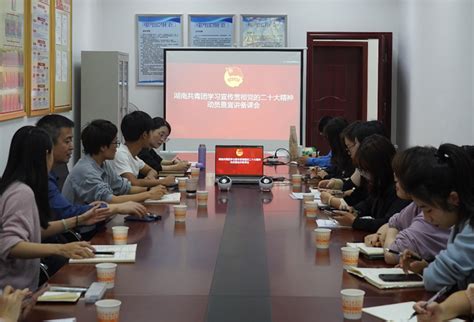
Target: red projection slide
(232, 101)
(239, 161)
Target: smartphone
(147, 218)
(400, 277)
(329, 213)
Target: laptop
(242, 163)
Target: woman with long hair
(25, 212)
(374, 161)
(441, 184)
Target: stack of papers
(394, 312)
(371, 275)
(168, 198)
(370, 252)
(71, 297)
(123, 254)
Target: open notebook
(370, 252)
(174, 197)
(394, 312)
(123, 254)
(371, 275)
(70, 297)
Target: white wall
(435, 82)
(118, 29)
(431, 38)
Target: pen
(415, 257)
(104, 253)
(432, 299)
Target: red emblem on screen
(239, 152)
(233, 76)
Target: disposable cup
(120, 234)
(182, 184)
(322, 237)
(191, 186)
(296, 179)
(195, 172)
(201, 197)
(350, 256)
(311, 209)
(307, 197)
(108, 310)
(106, 273)
(180, 213)
(352, 303)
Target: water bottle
(202, 155)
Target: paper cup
(108, 310)
(191, 186)
(106, 273)
(307, 197)
(120, 234)
(350, 256)
(180, 213)
(322, 237)
(195, 172)
(296, 179)
(311, 209)
(201, 197)
(352, 302)
(182, 184)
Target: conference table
(247, 256)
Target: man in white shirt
(136, 129)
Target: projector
(265, 183)
(224, 183)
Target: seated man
(60, 130)
(323, 161)
(93, 177)
(136, 129)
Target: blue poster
(211, 31)
(155, 32)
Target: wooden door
(337, 67)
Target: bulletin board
(12, 59)
(62, 57)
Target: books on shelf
(369, 252)
(371, 275)
(122, 254)
(168, 198)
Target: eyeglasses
(116, 143)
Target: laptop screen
(239, 160)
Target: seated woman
(441, 184)
(409, 229)
(159, 135)
(374, 160)
(25, 213)
(457, 304)
(341, 165)
(354, 188)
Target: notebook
(370, 252)
(123, 254)
(168, 198)
(394, 312)
(371, 275)
(242, 163)
(49, 296)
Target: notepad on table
(70, 297)
(122, 254)
(370, 252)
(175, 173)
(330, 223)
(168, 198)
(371, 275)
(394, 312)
